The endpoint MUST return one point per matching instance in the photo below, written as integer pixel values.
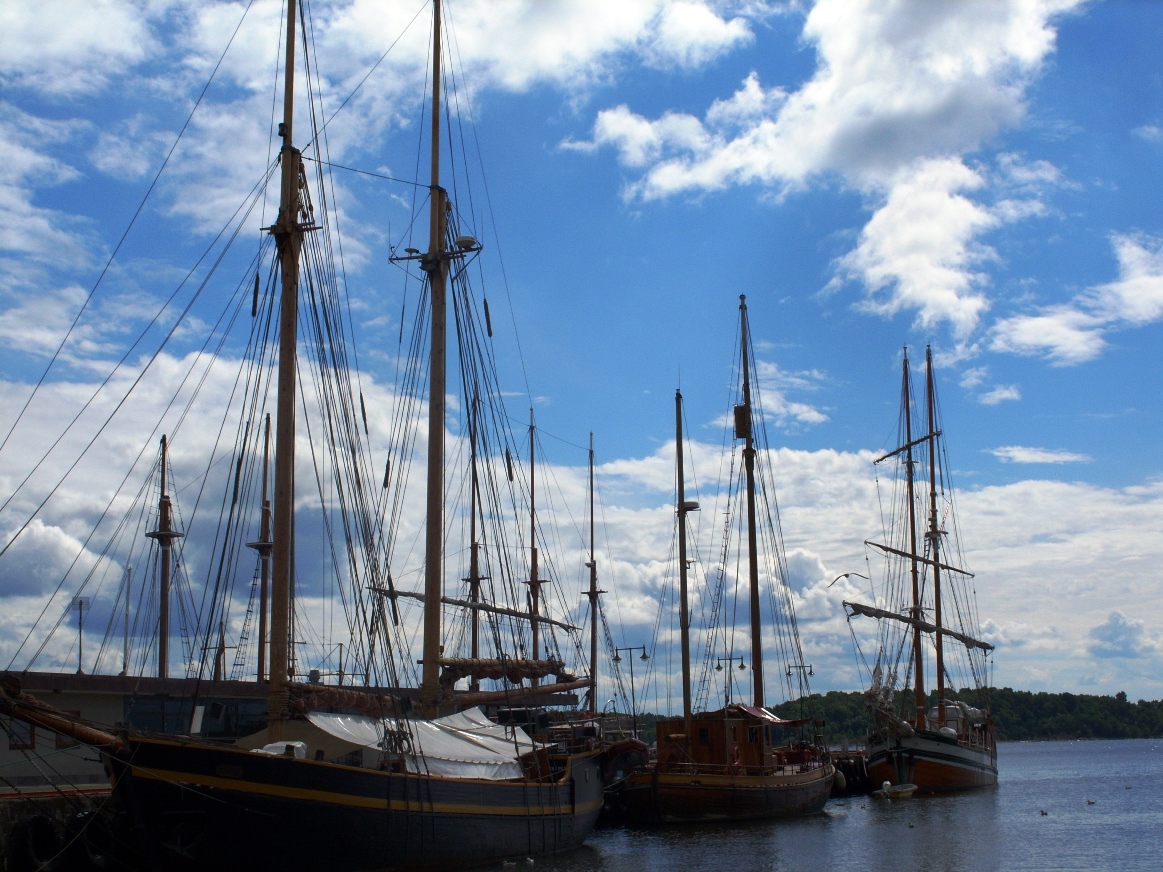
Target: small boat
(729, 763)
(947, 744)
(888, 790)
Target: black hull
(205, 807)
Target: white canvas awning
(464, 745)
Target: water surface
(1103, 803)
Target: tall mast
(684, 612)
(534, 580)
(263, 547)
(474, 565)
(593, 594)
(125, 652)
(935, 535)
(165, 536)
(914, 562)
(289, 240)
(752, 544)
(435, 263)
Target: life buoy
(91, 842)
(35, 844)
(735, 768)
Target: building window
(64, 741)
(704, 736)
(21, 736)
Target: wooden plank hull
(655, 796)
(930, 761)
(202, 807)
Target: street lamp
(633, 704)
(719, 661)
(81, 604)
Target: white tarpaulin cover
(465, 745)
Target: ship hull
(930, 761)
(654, 796)
(205, 807)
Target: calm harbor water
(996, 829)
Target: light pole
(81, 604)
(719, 661)
(633, 703)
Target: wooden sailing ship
(349, 778)
(729, 764)
(947, 744)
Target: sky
(978, 177)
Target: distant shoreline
(1020, 715)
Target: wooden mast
(593, 595)
(684, 610)
(935, 536)
(289, 239)
(474, 565)
(435, 264)
(263, 547)
(919, 676)
(752, 544)
(534, 580)
(165, 536)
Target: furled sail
(923, 626)
(462, 745)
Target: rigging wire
(125, 233)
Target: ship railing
(687, 768)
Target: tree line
(1020, 715)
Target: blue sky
(981, 177)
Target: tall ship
(928, 623)
(371, 773)
(738, 761)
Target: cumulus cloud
(919, 249)
(70, 49)
(1022, 454)
(901, 93)
(1056, 550)
(776, 383)
(1076, 332)
(1120, 636)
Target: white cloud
(974, 376)
(1057, 550)
(1063, 333)
(131, 151)
(1076, 332)
(691, 34)
(1120, 636)
(68, 49)
(1000, 394)
(1149, 132)
(901, 93)
(44, 234)
(919, 249)
(1023, 454)
(775, 383)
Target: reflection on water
(995, 829)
